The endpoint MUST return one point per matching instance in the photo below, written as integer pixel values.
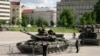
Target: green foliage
(45, 23)
(18, 21)
(52, 23)
(97, 11)
(55, 29)
(2, 22)
(88, 18)
(32, 22)
(63, 22)
(83, 20)
(67, 18)
(12, 21)
(25, 20)
(40, 22)
(93, 15)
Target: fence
(11, 50)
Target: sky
(38, 3)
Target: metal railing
(8, 50)
(11, 49)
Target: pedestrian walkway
(84, 51)
(14, 37)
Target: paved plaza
(9, 39)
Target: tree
(97, 11)
(13, 21)
(63, 22)
(40, 22)
(67, 17)
(93, 15)
(52, 23)
(2, 22)
(18, 21)
(32, 22)
(83, 21)
(88, 18)
(25, 20)
(45, 23)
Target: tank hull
(23, 48)
(35, 44)
(88, 38)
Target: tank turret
(88, 36)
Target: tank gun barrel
(27, 33)
(39, 38)
(34, 35)
(44, 38)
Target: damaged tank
(34, 44)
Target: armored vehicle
(88, 36)
(34, 44)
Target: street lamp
(29, 25)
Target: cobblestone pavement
(9, 39)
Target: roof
(42, 9)
(15, 3)
(27, 11)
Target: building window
(4, 0)
(4, 12)
(13, 10)
(4, 8)
(4, 16)
(17, 9)
(4, 4)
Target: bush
(2, 22)
(25, 20)
(40, 22)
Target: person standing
(45, 46)
(74, 35)
(77, 46)
(76, 43)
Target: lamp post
(29, 25)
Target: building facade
(44, 13)
(15, 12)
(29, 13)
(5, 10)
(79, 7)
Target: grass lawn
(55, 29)
(60, 29)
